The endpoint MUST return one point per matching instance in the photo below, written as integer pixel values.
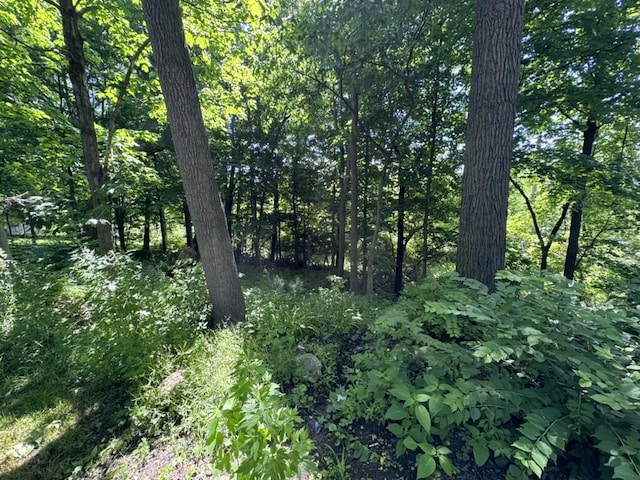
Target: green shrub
(254, 436)
(529, 373)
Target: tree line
(378, 138)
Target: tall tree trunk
(275, 225)
(178, 84)
(399, 277)
(373, 248)
(365, 215)
(573, 245)
(96, 174)
(353, 174)
(163, 229)
(188, 225)
(342, 215)
(492, 108)
(433, 152)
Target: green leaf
(422, 414)
(410, 443)
(426, 466)
(446, 465)
(396, 412)
(480, 454)
(401, 392)
(396, 429)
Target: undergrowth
(529, 373)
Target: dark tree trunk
(146, 237)
(399, 277)
(120, 214)
(178, 84)
(275, 226)
(163, 229)
(573, 246)
(353, 176)
(188, 226)
(96, 175)
(492, 108)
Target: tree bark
(96, 174)
(4, 244)
(492, 108)
(353, 176)
(573, 245)
(164, 22)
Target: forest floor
(94, 386)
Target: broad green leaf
(422, 414)
(426, 466)
(480, 454)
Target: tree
(164, 23)
(492, 109)
(96, 174)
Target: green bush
(254, 436)
(529, 373)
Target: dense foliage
(530, 373)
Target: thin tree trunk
(96, 174)
(492, 109)
(433, 144)
(573, 245)
(373, 248)
(399, 276)
(120, 214)
(353, 174)
(188, 226)
(178, 84)
(342, 215)
(146, 238)
(163, 229)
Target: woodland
(328, 239)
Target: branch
(556, 227)
(534, 217)
(124, 85)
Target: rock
(309, 365)
(171, 382)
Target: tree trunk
(228, 199)
(120, 214)
(353, 174)
(492, 108)
(342, 215)
(4, 244)
(373, 248)
(188, 225)
(178, 84)
(399, 277)
(573, 246)
(163, 229)
(146, 237)
(96, 175)
(433, 145)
